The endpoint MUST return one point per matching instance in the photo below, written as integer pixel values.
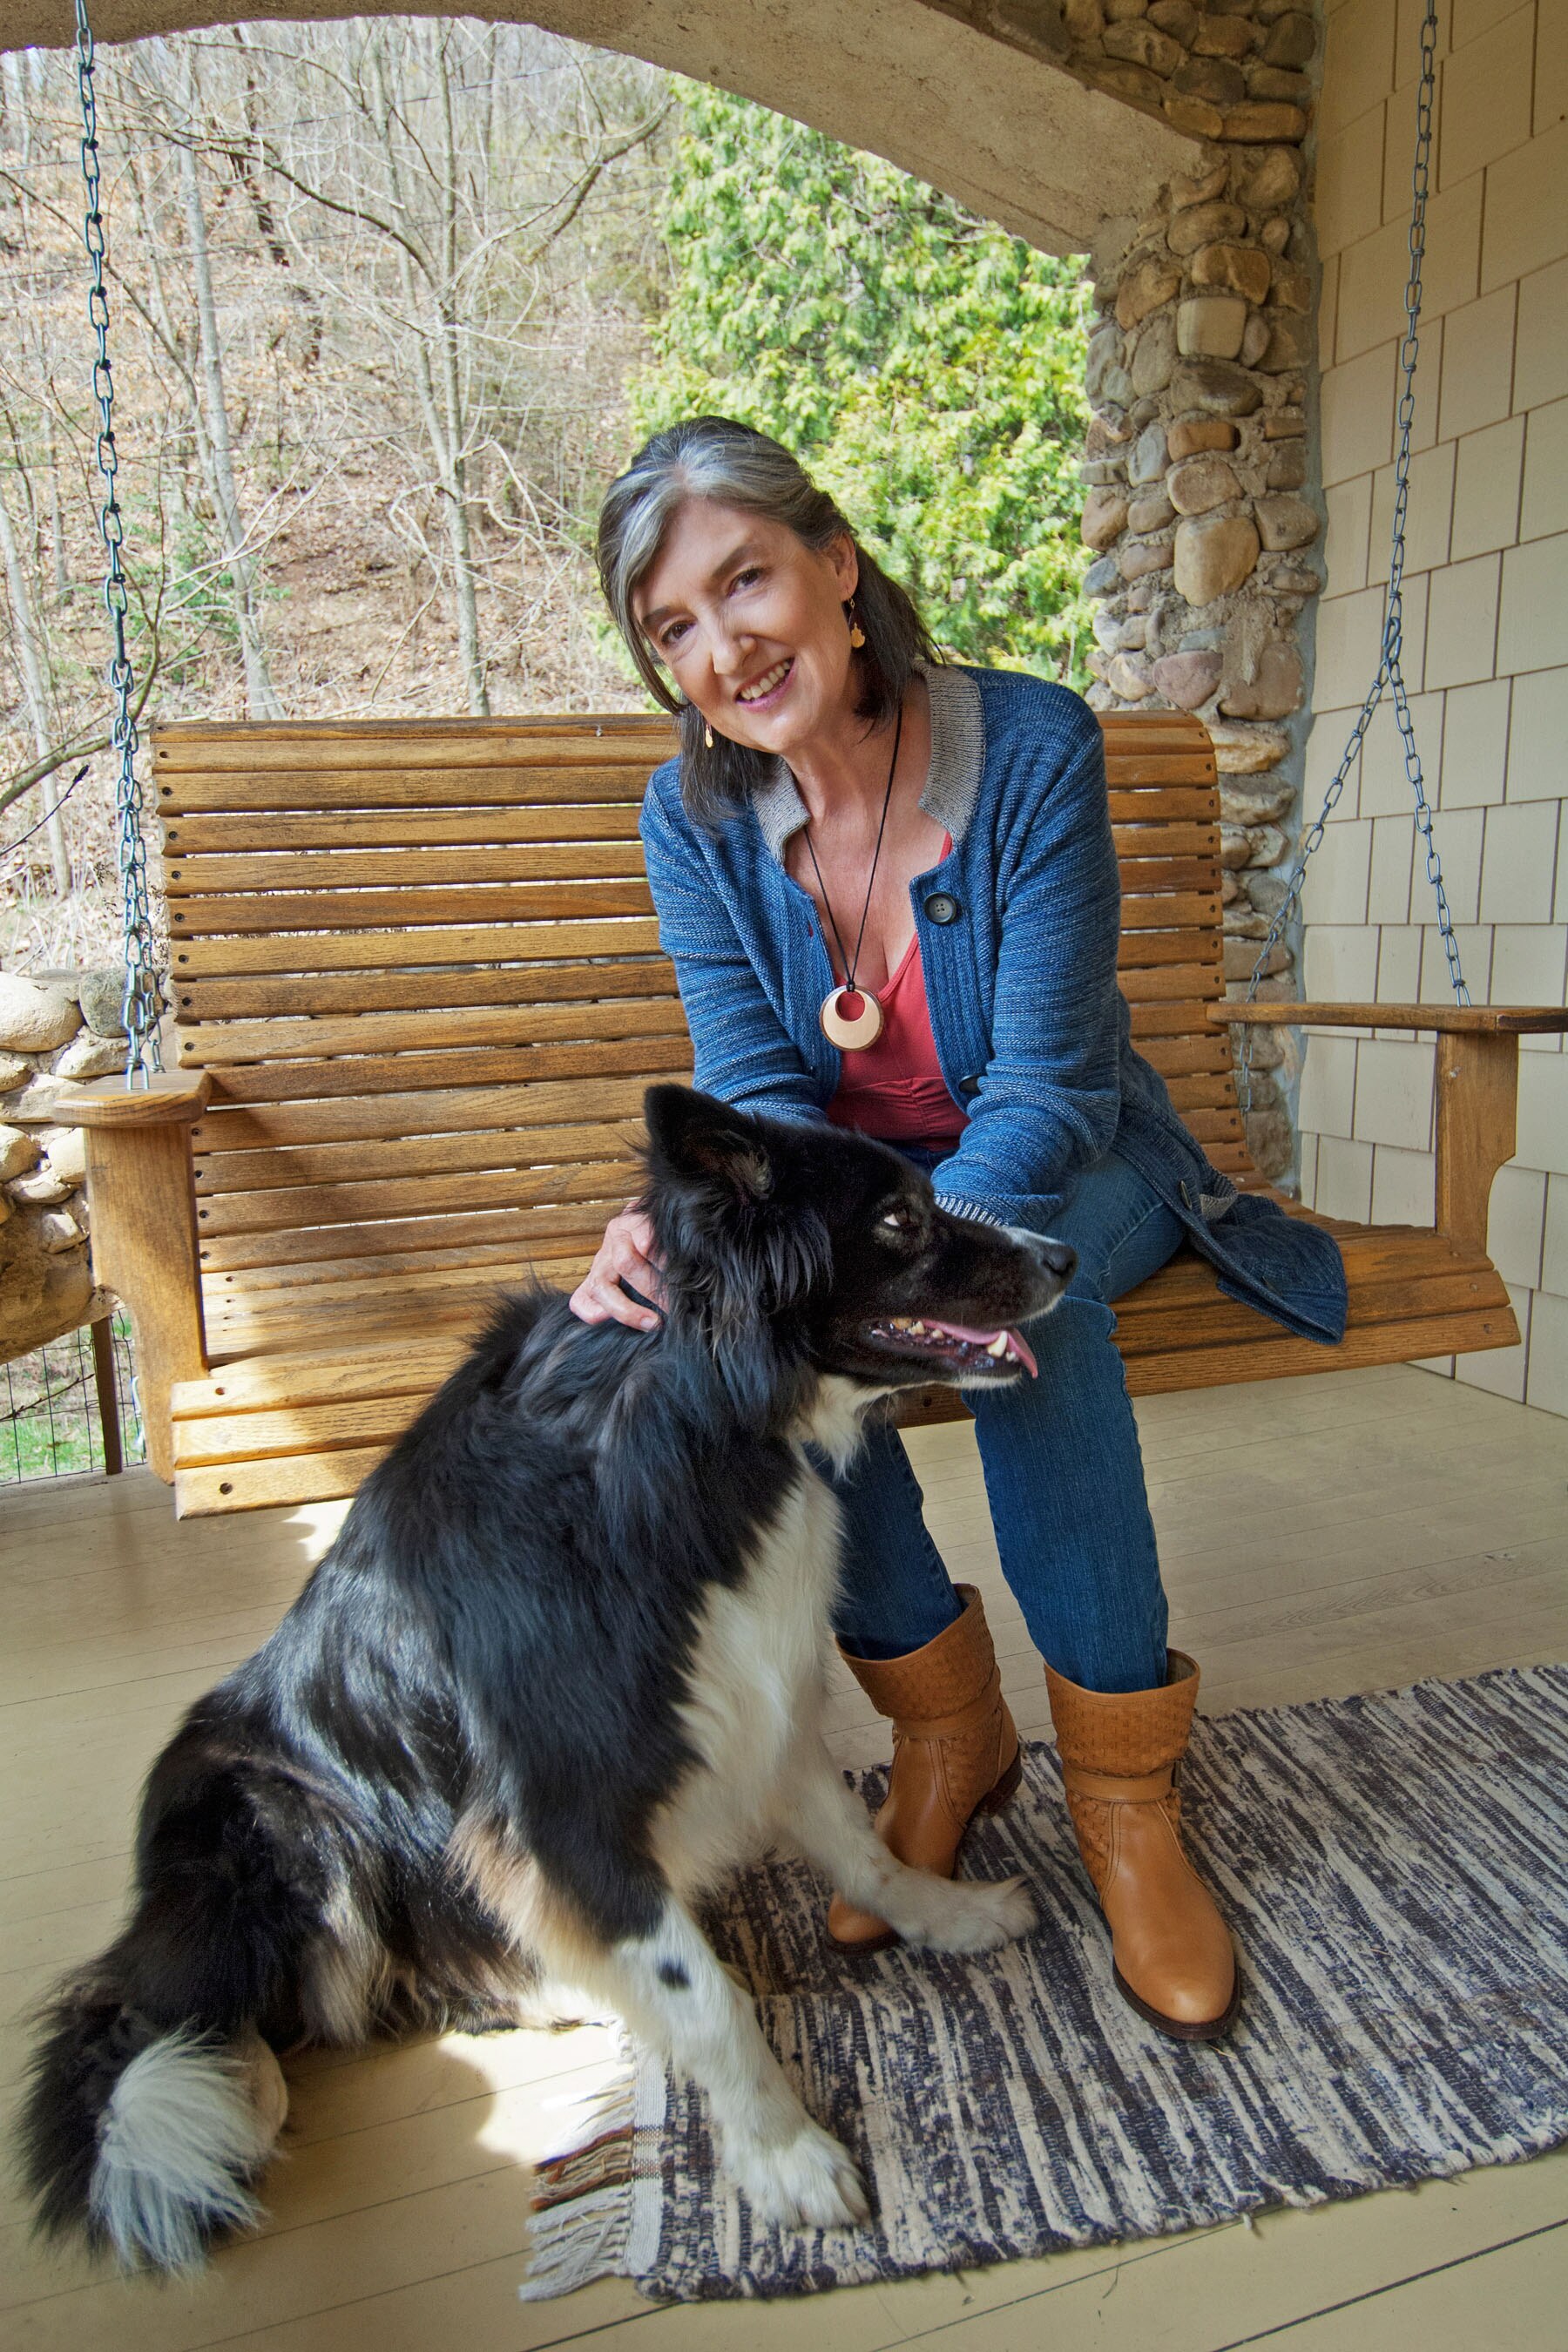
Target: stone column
(1203, 513)
(57, 1030)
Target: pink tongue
(983, 1338)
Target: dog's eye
(899, 1219)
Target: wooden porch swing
(417, 994)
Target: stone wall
(1221, 69)
(1203, 513)
(57, 1030)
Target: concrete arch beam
(989, 117)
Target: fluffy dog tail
(153, 2100)
(145, 2140)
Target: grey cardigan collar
(952, 789)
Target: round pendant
(850, 1018)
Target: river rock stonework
(1204, 524)
(57, 1030)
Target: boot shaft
(1125, 1735)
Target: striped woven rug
(1395, 1869)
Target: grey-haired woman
(890, 891)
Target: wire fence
(70, 1406)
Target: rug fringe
(572, 2245)
(582, 2205)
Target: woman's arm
(1051, 1098)
(743, 1052)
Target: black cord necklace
(851, 1030)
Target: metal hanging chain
(1390, 677)
(141, 1002)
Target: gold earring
(857, 634)
(708, 735)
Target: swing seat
(417, 994)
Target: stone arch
(992, 117)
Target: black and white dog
(560, 1672)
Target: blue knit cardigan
(1018, 929)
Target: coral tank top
(894, 1089)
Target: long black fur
(503, 1630)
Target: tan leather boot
(1172, 1953)
(955, 1754)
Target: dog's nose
(1061, 1261)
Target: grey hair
(713, 458)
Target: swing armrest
(170, 1098)
(141, 1191)
(1449, 1020)
(1477, 1080)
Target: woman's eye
(744, 579)
(673, 634)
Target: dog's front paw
(807, 2183)
(972, 1915)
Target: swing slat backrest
(420, 965)
(417, 966)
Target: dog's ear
(696, 1137)
(738, 1253)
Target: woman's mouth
(762, 692)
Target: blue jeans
(1064, 1477)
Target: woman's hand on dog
(625, 1254)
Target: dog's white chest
(756, 1687)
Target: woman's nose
(726, 651)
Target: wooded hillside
(390, 302)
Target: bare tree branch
(80, 747)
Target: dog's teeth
(919, 1328)
(901, 1322)
(997, 1347)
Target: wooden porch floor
(1413, 1528)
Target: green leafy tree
(924, 365)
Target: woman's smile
(764, 693)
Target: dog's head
(800, 1249)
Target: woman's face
(750, 623)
